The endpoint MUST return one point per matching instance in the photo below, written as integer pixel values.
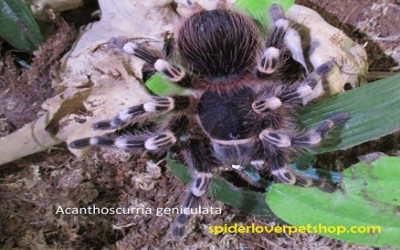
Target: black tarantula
(241, 109)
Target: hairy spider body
(218, 45)
(241, 110)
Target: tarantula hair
(242, 107)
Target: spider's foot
(315, 137)
(330, 124)
(326, 185)
(276, 12)
(315, 78)
(285, 176)
(340, 118)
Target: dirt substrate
(31, 189)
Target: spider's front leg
(280, 143)
(173, 72)
(282, 40)
(299, 93)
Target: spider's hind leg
(197, 155)
(197, 188)
(282, 173)
(173, 72)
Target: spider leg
(197, 155)
(297, 94)
(250, 173)
(273, 56)
(317, 135)
(282, 40)
(276, 139)
(154, 143)
(172, 131)
(197, 188)
(309, 88)
(173, 72)
(158, 105)
(279, 143)
(282, 173)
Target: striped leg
(156, 143)
(301, 93)
(174, 73)
(156, 106)
(172, 131)
(278, 143)
(198, 156)
(197, 188)
(308, 89)
(273, 139)
(317, 135)
(282, 173)
(282, 40)
(273, 56)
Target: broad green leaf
(246, 201)
(370, 197)
(18, 27)
(259, 10)
(160, 86)
(374, 110)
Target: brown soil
(32, 188)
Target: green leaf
(18, 27)
(259, 10)
(248, 201)
(370, 197)
(160, 86)
(374, 110)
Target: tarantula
(242, 107)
